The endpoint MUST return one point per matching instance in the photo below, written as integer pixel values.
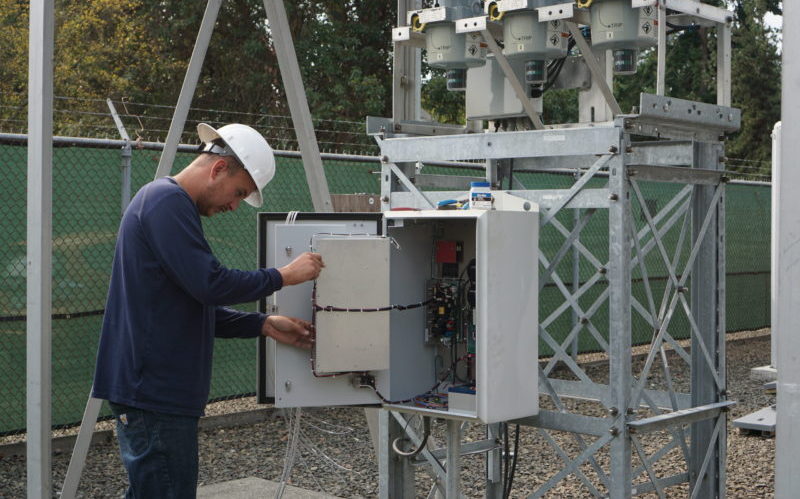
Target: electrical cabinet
(421, 311)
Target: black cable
(513, 463)
(331, 308)
(555, 66)
(681, 27)
(506, 466)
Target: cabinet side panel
(412, 362)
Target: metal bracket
(477, 24)
(706, 118)
(560, 11)
(404, 35)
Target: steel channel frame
(697, 210)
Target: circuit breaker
(420, 311)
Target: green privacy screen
(86, 213)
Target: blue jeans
(159, 452)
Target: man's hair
(233, 164)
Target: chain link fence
(87, 209)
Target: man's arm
(288, 330)
(173, 232)
(232, 323)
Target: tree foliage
(139, 49)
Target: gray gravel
(338, 458)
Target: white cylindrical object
(480, 196)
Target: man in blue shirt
(167, 301)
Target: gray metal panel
(582, 141)
(661, 153)
(507, 313)
(294, 382)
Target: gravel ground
(336, 454)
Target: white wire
(291, 450)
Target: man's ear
(218, 167)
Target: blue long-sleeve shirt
(166, 304)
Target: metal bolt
(602, 270)
(384, 159)
(631, 411)
(584, 320)
(614, 431)
(629, 149)
(288, 250)
(288, 385)
(613, 149)
(385, 199)
(613, 197)
(613, 411)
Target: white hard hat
(247, 146)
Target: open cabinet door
(285, 374)
(508, 339)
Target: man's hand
(289, 331)
(305, 267)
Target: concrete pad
(254, 488)
(762, 421)
(764, 373)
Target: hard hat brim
(207, 133)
